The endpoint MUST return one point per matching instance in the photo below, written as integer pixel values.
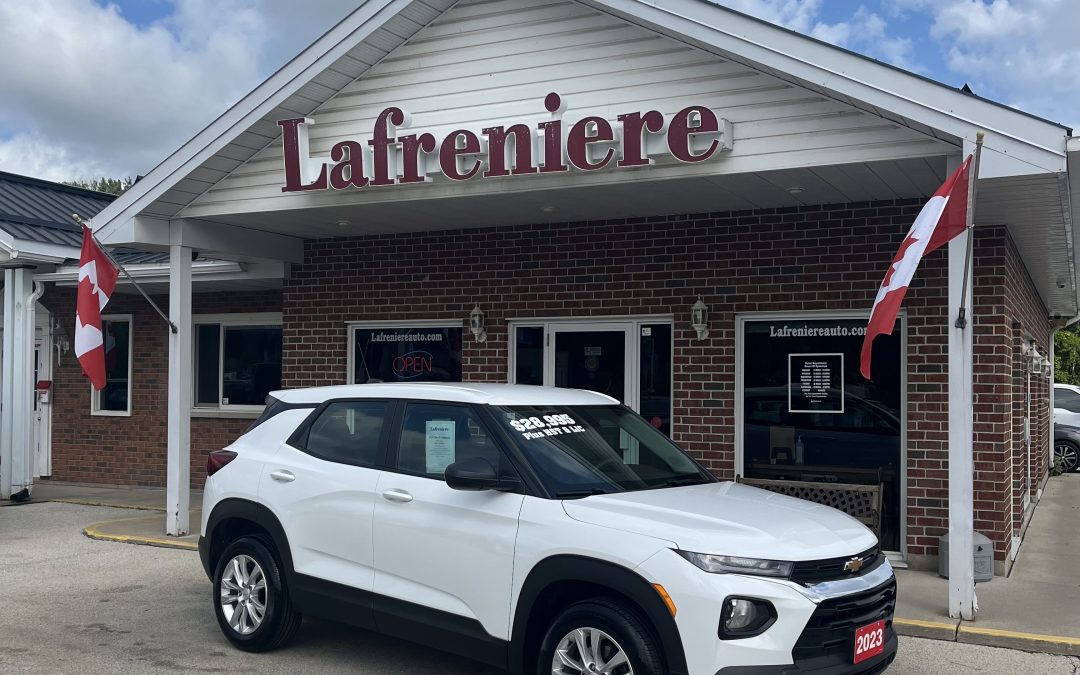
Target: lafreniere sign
(694, 134)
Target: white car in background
(1066, 404)
(536, 529)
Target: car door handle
(283, 476)
(395, 495)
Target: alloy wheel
(243, 594)
(589, 651)
(1067, 454)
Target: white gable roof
(1017, 144)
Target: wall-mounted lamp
(476, 324)
(1048, 369)
(699, 318)
(60, 340)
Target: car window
(1066, 399)
(347, 432)
(433, 436)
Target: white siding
(487, 62)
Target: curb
(988, 637)
(93, 532)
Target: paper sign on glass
(440, 445)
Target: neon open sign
(694, 134)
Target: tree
(1067, 355)
(112, 186)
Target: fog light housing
(745, 617)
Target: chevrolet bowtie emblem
(853, 565)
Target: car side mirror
(477, 473)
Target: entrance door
(1027, 436)
(592, 357)
(42, 402)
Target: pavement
(1035, 608)
(72, 605)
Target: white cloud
(88, 93)
(1021, 52)
(868, 33)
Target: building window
(237, 360)
(808, 415)
(115, 398)
(405, 352)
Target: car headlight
(729, 564)
(745, 617)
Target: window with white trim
(237, 360)
(405, 351)
(115, 398)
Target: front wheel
(600, 637)
(251, 601)
(1067, 453)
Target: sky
(92, 88)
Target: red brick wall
(810, 258)
(133, 450)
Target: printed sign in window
(440, 443)
(816, 383)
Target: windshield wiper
(575, 494)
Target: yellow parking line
(916, 623)
(1014, 635)
(93, 532)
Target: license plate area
(869, 641)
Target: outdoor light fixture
(476, 324)
(1048, 369)
(699, 318)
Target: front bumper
(871, 666)
(815, 627)
(204, 556)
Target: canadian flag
(97, 279)
(941, 219)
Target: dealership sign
(694, 134)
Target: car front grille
(815, 571)
(831, 629)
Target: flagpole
(117, 265)
(961, 319)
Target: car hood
(729, 519)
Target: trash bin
(983, 552)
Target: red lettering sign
(694, 134)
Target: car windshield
(584, 450)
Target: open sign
(412, 364)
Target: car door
(443, 557)
(321, 485)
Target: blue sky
(111, 87)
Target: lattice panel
(862, 502)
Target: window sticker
(547, 425)
(440, 445)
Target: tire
(1069, 454)
(608, 625)
(249, 572)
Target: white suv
(537, 529)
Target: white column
(961, 440)
(178, 490)
(16, 412)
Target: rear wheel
(251, 600)
(1068, 454)
(600, 637)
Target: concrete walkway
(1036, 608)
(147, 528)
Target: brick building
(551, 192)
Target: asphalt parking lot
(69, 604)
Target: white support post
(7, 393)
(961, 438)
(178, 491)
(15, 417)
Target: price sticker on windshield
(546, 425)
